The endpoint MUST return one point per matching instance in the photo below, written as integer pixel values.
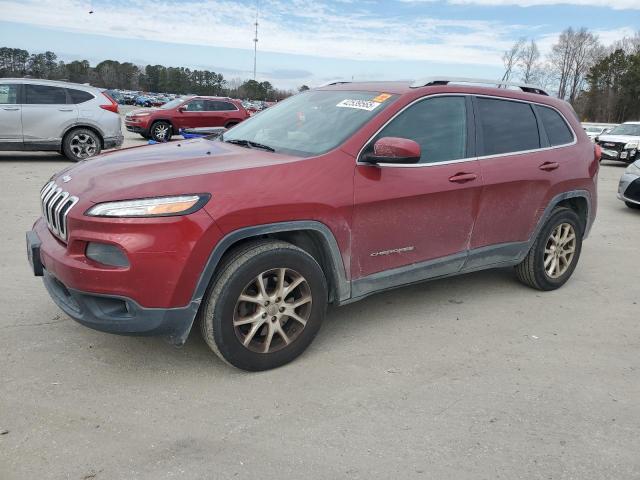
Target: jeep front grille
(55, 207)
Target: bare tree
(571, 58)
(528, 61)
(510, 59)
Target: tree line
(16, 62)
(602, 83)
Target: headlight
(144, 114)
(150, 207)
(630, 145)
(633, 168)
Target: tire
(633, 206)
(231, 124)
(160, 131)
(534, 269)
(224, 309)
(80, 144)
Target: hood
(165, 169)
(143, 110)
(617, 138)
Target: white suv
(76, 120)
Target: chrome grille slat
(56, 204)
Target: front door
(193, 114)
(410, 214)
(10, 117)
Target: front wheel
(554, 254)
(264, 306)
(161, 131)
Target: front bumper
(135, 129)
(627, 156)
(629, 188)
(112, 313)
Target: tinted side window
(195, 106)
(79, 96)
(558, 132)
(507, 126)
(218, 106)
(45, 95)
(439, 125)
(8, 93)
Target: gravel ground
(475, 377)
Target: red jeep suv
(327, 197)
(187, 112)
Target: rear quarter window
(558, 132)
(79, 96)
(507, 126)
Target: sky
(306, 41)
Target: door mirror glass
(394, 150)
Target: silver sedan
(629, 186)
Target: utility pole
(255, 43)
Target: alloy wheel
(272, 310)
(160, 131)
(559, 250)
(83, 145)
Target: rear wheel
(264, 306)
(161, 131)
(80, 144)
(554, 254)
(632, 205)
(230, 124)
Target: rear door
(407, 214)
(192, 114)
(46, 113)
(10, 117)
(519, 168)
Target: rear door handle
(463, 177)
(548, 166)
(65, 109)
(11, 109)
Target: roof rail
(429, 81)
(333, 82)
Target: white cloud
(304, 27)
(614, 4)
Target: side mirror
(394, 150)
(182, 108)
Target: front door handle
(11, 109)
(548, 166)
(463, 177)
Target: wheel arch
(312, 236)
(77, 126)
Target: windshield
(626, 129)
(311, 123)
(173, 103)
(593, 129)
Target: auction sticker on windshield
(367, 105)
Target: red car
(187, 112)
(327, 197)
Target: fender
(343, 286)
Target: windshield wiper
(250, 144)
